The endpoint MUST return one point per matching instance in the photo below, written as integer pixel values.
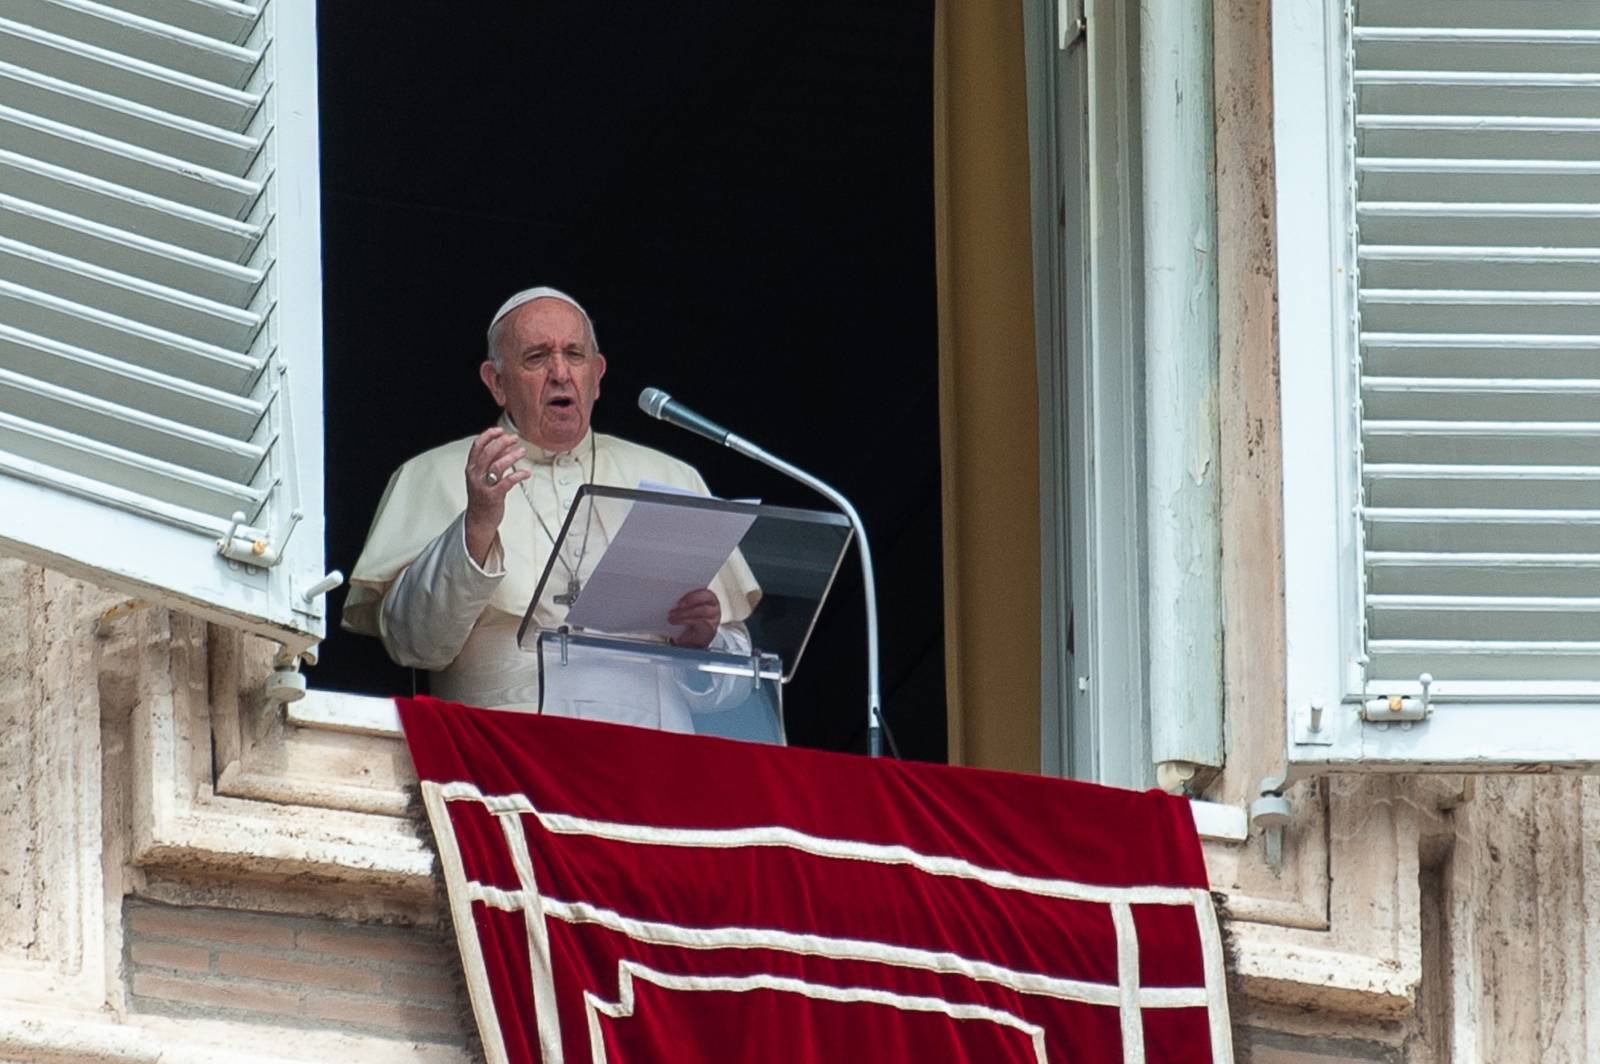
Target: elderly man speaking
(464, 531)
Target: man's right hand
(494, 451)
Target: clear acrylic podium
(771, 589)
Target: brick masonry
(396, 982)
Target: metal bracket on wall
(287, 683)
(1271, 813)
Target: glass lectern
(599, 620)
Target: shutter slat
(93, 374)
(1439, 308)
(1462, 485)
(1563, 96)
(185, 517)
(1541, 667)
(1493, 15)
(126, 76)
(1465, 34)
(129, 296)
(1423, 123)
(1494, 179)
(1480, 530)
(119, 206)
(1481, 515)
(1482, 79)
(1467, 399)
(1550, 619)
(1394, 354)
(1543, 387)
(1476, 267)
(119, 119)
(1479, 604)
(118, 161)
(1528, 138)
(1515, 167)
(1483, 573)
(136, 431)
(152, 41)
(224, 20)
(83, 460)
(1552, 224)
(166, 264)
(145, 345)
(1512, 442)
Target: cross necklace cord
(574, 583)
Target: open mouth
(563, 402)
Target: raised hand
(490, 475)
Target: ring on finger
(491, 478)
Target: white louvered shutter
(1468, 364)
(160, 301)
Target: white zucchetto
(528, 295)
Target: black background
(741, 194)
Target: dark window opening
(742, 196)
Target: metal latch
(253, 547)
(1400, 709)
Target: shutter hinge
(1272, 813)
(1399, 708)
(1070, 23)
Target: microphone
(658, 404)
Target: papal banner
(628, 895)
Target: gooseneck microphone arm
(658, 404)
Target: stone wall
(183, 877)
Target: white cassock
(416, 587)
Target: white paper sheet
(660, 553)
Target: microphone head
(653, 400)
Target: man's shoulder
(451, 456)
(657, 465)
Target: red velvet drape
(634, 895)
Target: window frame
(1084, 146)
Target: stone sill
(48, 1036)
(371, 715)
